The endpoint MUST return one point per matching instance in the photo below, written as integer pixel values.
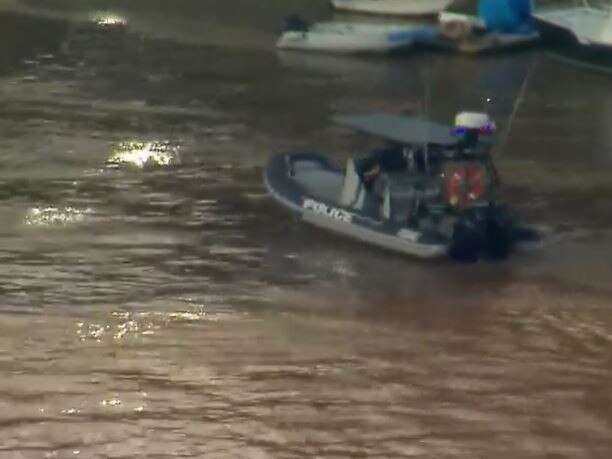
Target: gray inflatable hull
(328, 215)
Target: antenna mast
(425, 113)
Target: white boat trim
(392, 7)
(346, 37)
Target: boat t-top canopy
(401, 129)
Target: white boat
(481, 26)
(392, 7)
(347, 37)
(581, 35)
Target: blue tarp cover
(510, 16)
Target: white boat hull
(581, 36)
(392, 7)
(589, 26)
(349, 38)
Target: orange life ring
(465, 184)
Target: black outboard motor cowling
(483, 231)
(499, 240)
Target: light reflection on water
(53, 216)
(107, 18)
(141, 154)
(263, 385)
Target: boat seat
(353, 192)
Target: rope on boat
(517, 104)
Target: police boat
(428, 192)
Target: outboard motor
(295, 23)
(484, 230)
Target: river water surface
(156, 303)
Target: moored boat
(580, 35)
(350, 37)
(392, 7)
(485, 26)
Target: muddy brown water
(156, 303)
